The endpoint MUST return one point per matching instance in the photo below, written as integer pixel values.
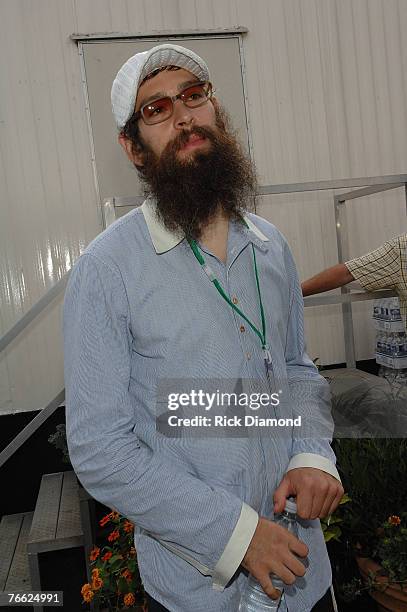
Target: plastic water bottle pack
(391, 340)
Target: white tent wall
(327, 93)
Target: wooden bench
(14, 571)
(56, 524)
(63, 518)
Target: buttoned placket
(240, 238)
(248, 341)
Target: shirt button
(242, 328)
(249, 356)
(235, 300)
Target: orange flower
(95, 573)
(87, 593)
(114, 535)
(394, 519)
(129, 599)
(127, 526)
(97, 583)
(114, 515)
(94, 553)
(127, 575)
(104, 520)
(107, 556)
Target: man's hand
(317, 493)
(273, 550)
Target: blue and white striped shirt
(139, 309)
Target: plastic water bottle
(377, 311)
(395, 314)
(385, 308)
(254, 599)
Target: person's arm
(207, 526)
(312, 468)
(331, 278)
(379, 269)
(311, 474)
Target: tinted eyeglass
(160, 110)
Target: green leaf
(332, 534)
(334, 519)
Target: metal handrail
(346, 298)
(333, 184)
(33, 312)
(343, 251)
(32, 426)
(5, 340)
(286, 188)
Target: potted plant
(387, 581)
(374, 474)
(115, 583)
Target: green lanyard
(209, 272)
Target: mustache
(182, 138)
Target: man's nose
(182, 115)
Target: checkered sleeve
(378, 269)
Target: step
(14, 571)
(57, 522)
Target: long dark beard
(190, 192)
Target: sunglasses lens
(196, 94)
(157, 111)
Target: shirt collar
(164, 239)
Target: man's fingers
(332, 499)
(281, 494)
(336, 501)
(304, 504)
(328, 503)
(268, 587)
(324, 490)
(319, 496)
(298, 547)
(293, 568)
(274, 551)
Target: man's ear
(136, 157)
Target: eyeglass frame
(139, 114)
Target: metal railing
(31, 428)
(5, 341)
(371, 185)
(34, 311)
(344, 254)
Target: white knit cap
(132, 73)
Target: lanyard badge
(211, 275)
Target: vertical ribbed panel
(327, 93)
(48, 202)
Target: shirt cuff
(236, 548)
(314, 461)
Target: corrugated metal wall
(327, 91)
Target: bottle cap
(290, 505)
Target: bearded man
(192, 288)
